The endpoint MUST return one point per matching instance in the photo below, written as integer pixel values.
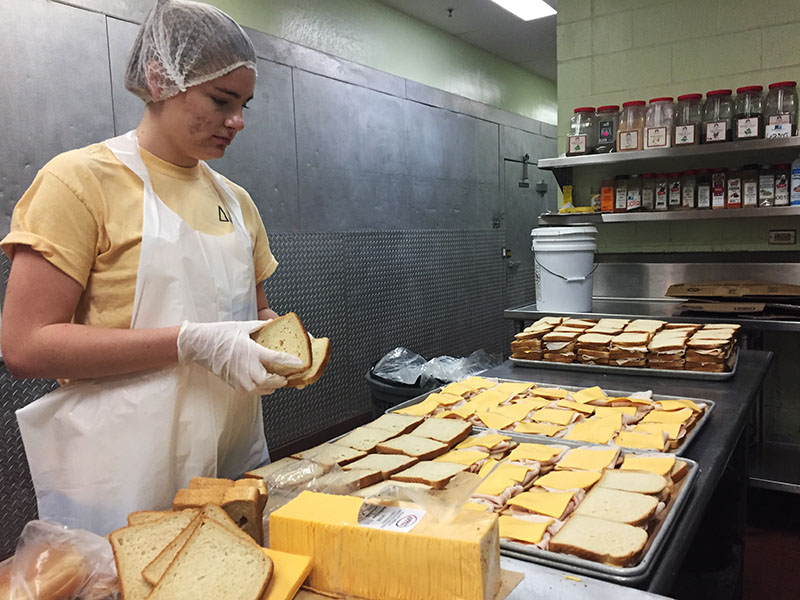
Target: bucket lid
(562, 232)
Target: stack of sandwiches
(593, 348)
(667, 348)
(629, 349)
(710, 349)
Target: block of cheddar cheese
(448, 561)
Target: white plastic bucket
(563, 260)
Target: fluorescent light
(527, 10)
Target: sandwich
(413, 445)
(364, 438)
(495, 444)
(503, 483)
(328, 455)
(320, 357)
(621, 506)
(472, 460)
(649, 326)
(579, 323)
(387, 464)
(543, 455)
(434, 474)
(397, 424)
(564, 481)
(558, 505)
(629, 349)
(525, 530)
(447, 431)
(286, 334)
(593, 348)
(591, 458)
(660, 464)
(557, 416)
(600, 540)
(640, 482)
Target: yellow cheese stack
(457, 560)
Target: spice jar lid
(662, 175)
(703, 171)
(749, 88)
(689, 172)
(664, 99)
(778, 84)
(719, 93)
(675, 174)
(609, 108)
(690, 97)
(782, 166)
(584, 109)
(720, 170)
(649, 175)
(633, 103)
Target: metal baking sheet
(622, 575)
(531, 437)
(645, 371)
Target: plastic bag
(55, 562)
(401, 365)
(404, 366)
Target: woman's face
(200, 123)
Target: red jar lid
(664, 99)
(719, 93)
(633, 103)
(749, 88)
(703, 171)
(689, 172)
(690, 97)
(608, 108)
(782, 84)
(782, 166)
(649, 175)
(584, 109)
(720, 170)
(676, 174)
(662, 175)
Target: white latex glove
(225, 349)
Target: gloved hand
(225, 349)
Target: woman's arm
(264, 311)
(39, 340)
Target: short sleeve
(265, 262)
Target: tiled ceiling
(482, 23)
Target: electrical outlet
(783, 236)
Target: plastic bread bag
(53, 562)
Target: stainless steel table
(722, 441)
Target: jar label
(716, 131)
(634, 199)
(628, 140)
(648, 198)
(656, 137)
(781, 190)
(577, 144)
(687, 197)
(607, 199)
(750, 196)
(718, 190)
(703, 196)
(675, 192)
(766, 187)
(778, 126)
(606, 131)
(747, 127)
(661, 195)
(685, 135)
(734, 192)
(621, 199)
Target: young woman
(136, 276)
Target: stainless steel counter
(713, 448)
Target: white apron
(100, 449)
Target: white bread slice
(599, 540)
(642, 482)
(286, 334)
(242, 503)
(135, 546)
(449, 431)
(387, 464)
(320, 357)
(616, 505)
(434, 474)
(412, 445)
(267, 471)
(398, 424)
(628, 339)
(330, 454)
(346, 482)
(145, 516)
(214, 563)
(364, 438)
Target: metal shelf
(775, 466)
(674, 215)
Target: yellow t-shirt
(83, 213)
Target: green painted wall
(378, 36)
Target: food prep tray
(532, 437)
(622, 575)
(645, 371)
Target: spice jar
(607, 196)
(607, 119)
(704, 188)
(674, 191)
(783, 173)
(766, 185)
(718, 186)
(658, 122)
(750, 186)
(582, 137)
(717, 116)
(688, 118)
(631, 126)
(688, 188)
(748, 122)
(648, 191)
(734, 198)
(634, 193)
(662, 191)
(620, 193)
(780, 110)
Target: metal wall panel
(128, 108)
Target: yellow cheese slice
(462, 457)
(607, 411)
(478, 383)
(377, 563)
(660, 465)
(679, 404)
(457, 389)
(668, 416)
(444, 399)
(531, 532)
(640, 401)
(494, 420)
(489, 399)
(640, 441)
(672, 430)
(515, 412)
(554, 393)
(515, 472)
(588, 459)
(494, 485)
(589, 394)
(576, 406)
(553, 415)
(465, 410)
(540, 452)
(538, 429)
(448, 414)
(595, 432)
(418, 410)
(487, 467)
(551, 504)
(513, 387)
(612, 420)
(488, 441)
(477, 506)
(288, 574)
(568, 480)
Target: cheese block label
(390, 518)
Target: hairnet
(182, 44)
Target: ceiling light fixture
(527, 10)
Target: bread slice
(433, 474)
(642, 482)
(346, 482)
(242, 503)
(449, 431)
(364, 438)
(387, 464)
(599, 540)
(617, 505)
(320, 357)
(398, 424)
(286, 334)
(267, 471)
(330, 454)
(215, 564)
(135, 546)
(146, 516)
(412, 445)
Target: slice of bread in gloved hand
(286, 334)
